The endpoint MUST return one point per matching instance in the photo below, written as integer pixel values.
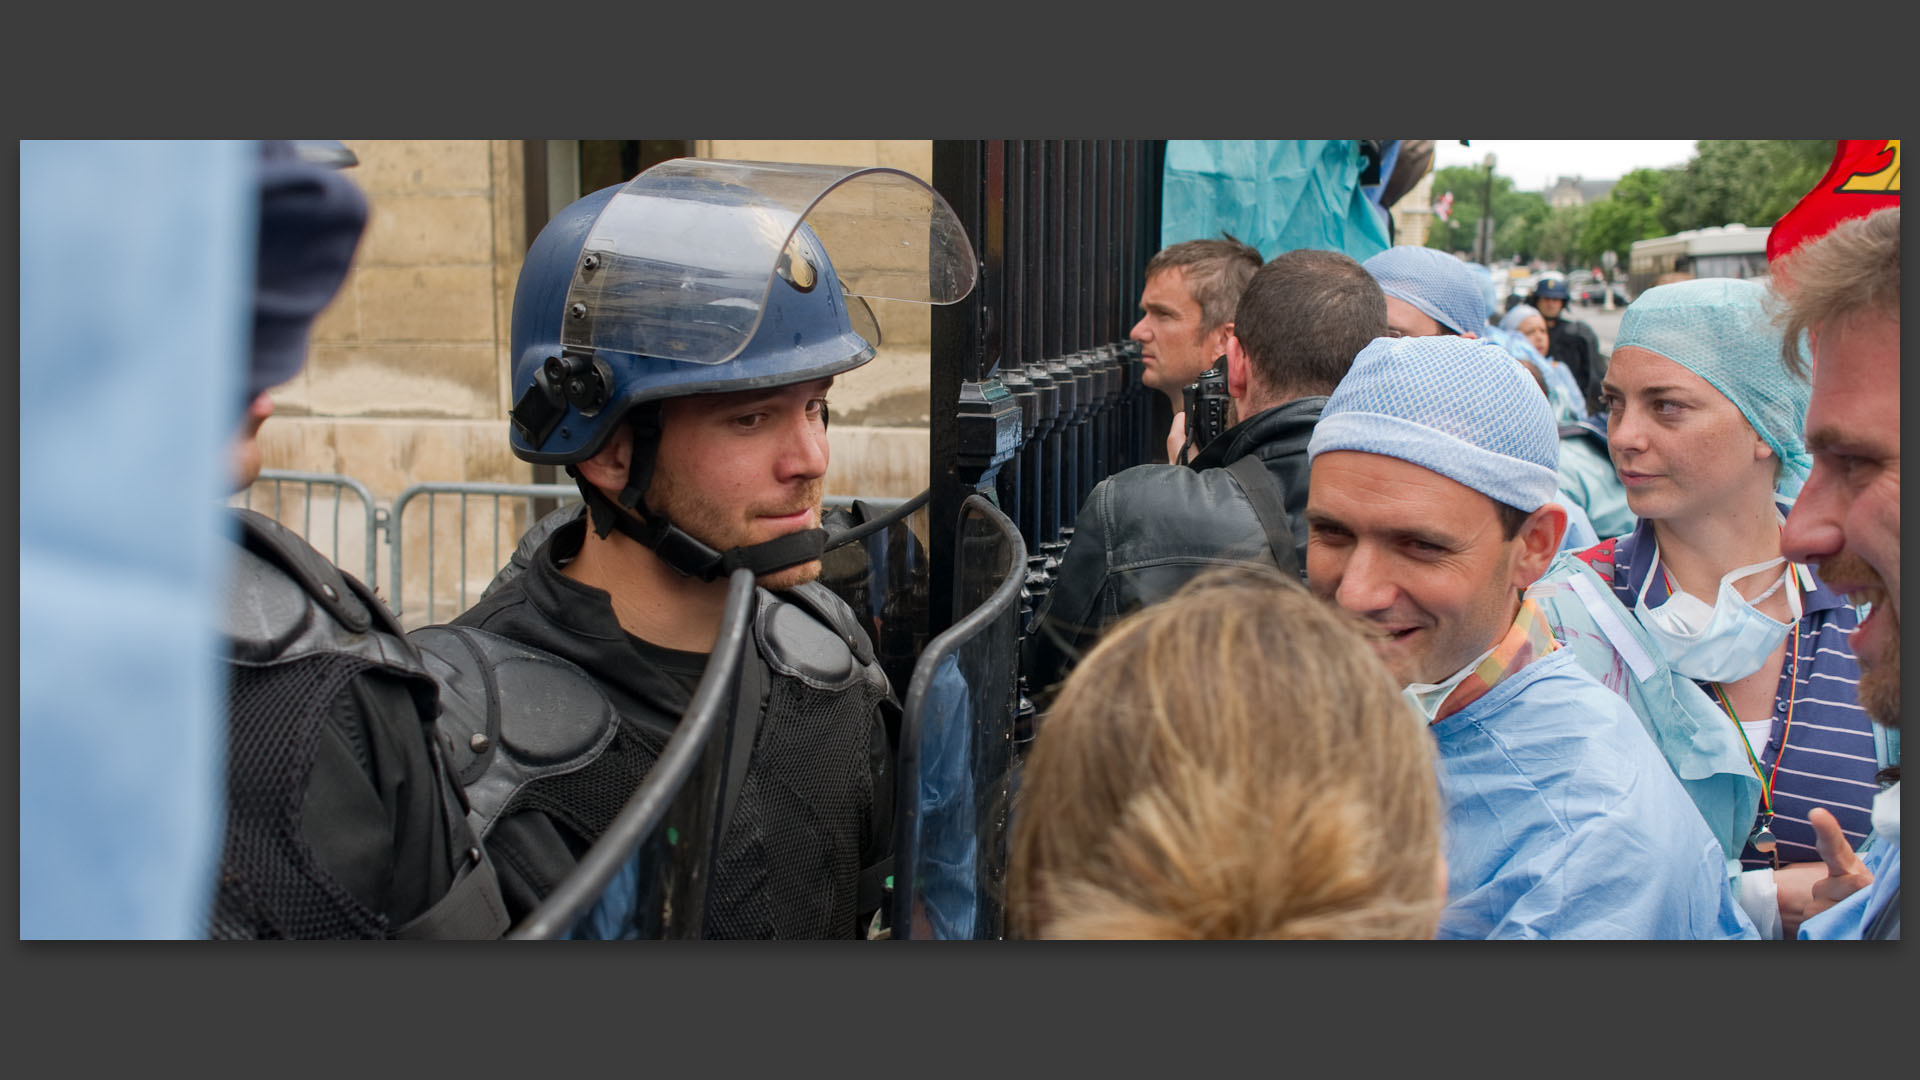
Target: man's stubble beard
(699, 519)
(1880, 681)
(1879, 689)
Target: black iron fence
(1036, 384)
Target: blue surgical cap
(1436, 283)
(1461, 408)
(1721, 330)
(1520, 313)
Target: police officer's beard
(723, 528)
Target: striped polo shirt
(1829, 755)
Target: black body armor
(342, 820)
(550, 741)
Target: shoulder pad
(811, 634)
(317, 577)
(284, 599)
(510, 714)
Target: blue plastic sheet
(1277, 195)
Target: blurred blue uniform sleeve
(949, 826)
(136, 278)
(1277, 195)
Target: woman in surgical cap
(1704, 428)
(1524, 336)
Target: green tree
(1557, 239)
(1515, 213)
(1750, 181)
(1631, 211)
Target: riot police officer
(341, 817)
(1570, 341)
(674, 342)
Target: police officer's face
(1549, 306)
(1846, 519)
(1418, 555)
(744, 468)
(1174, 348)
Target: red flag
(1864, 176)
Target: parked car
(1594, 294)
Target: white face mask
(1724, 642)
(1426, 698)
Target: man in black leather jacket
(1146, 531)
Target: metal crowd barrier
(373, 518)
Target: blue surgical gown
(1563, 821)
(1587, 478)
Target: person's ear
(1216, 342)
(1539, 538)
(1237, 369)
(607, 469)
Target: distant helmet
(1549, 287)
(707, 276)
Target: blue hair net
(1520, 313)
(1458, 407)
(1436, 283)
(1722, 330)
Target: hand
(1794, 883)
(1176, 437)
(1846, 874)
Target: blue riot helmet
(707, 276)
(1548, 287)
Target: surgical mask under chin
(1426, 698)
(1725, 642)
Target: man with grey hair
(1429, 514)
(1844, 292)
(1187, 310)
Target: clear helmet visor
(679, 263)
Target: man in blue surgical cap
(1429, 293)
(1429, 514)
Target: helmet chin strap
(679, 549)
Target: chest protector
(530, 731)
(298, 632)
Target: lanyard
(1766, 780)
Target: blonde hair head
(1231, 763)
